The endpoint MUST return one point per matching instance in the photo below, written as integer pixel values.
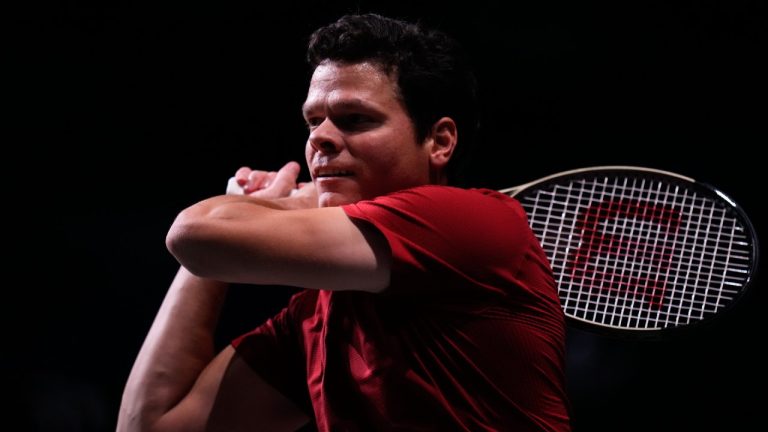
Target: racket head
(638, 251)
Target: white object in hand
(233, 188)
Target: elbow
(175, 238)
(185, 241)
(178, 235)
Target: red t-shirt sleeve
(448, 240)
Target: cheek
(308, 153)
(383, 162)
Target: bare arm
(178, 384)
(246, 240)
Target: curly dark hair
(434, 77)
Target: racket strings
(638, 252)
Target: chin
(335, 199)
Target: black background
(121, 114)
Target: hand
(269, 184)
(303, 197)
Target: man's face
(361, 141)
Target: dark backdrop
(123, 114)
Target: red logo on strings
(632, 258)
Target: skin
(361, 145)
(359, 126)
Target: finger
(269, 180)
(307, 192)
(241, 176)
(255, 181)
(285, 180)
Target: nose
(325, 138)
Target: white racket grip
(233, 188)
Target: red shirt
(468, 336)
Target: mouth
(327, 172)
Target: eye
(358, 118)
(313, 122)
(355, 121)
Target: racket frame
(655, 332)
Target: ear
(441, 144)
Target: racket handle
(233, 188)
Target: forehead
(357, 83)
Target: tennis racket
(639, 249)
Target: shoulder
(439, 192)
(443, 200)
(445, 217)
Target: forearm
(230, 205)
(202, 240)
(178, 347)
(190, 236)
